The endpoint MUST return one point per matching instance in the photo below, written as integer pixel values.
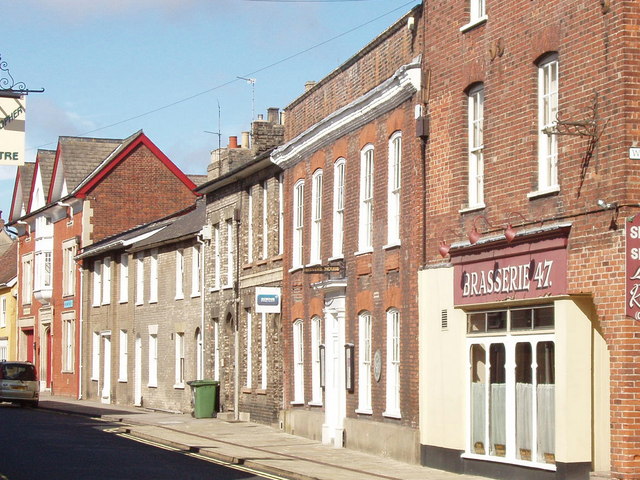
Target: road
(39, 444)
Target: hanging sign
(12, 127)
(633, 267)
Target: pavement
(247, 446)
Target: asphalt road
(38, 444)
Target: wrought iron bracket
(9, 86)
(588, 127)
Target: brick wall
(597, 53)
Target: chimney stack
(272, 115)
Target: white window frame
(316, 341)
(95, 356)
(124, 278)
(68, 342)
(123, 361)
(153, 360)
(250, 225)
(230, 254)
(298, 225)
(364, 364)
(315, 252)
(248, 346)
(68, 268)
(298, 362)
(216, 258)
(339, 168)
(196, 272)
(3, 312)
(43, 269)
(27, 279)
(97, 283)
(394, 186)
(548, 91)
(265, 220)
(393, 364)
(216, 350)
(180, 361)
(179, 274)
(509, 339)
(153, 276)
(477, 14)
(263, 351)
(475, 130)
(280, 214)
(365, 217)
(106, 281)
(4, 349)
(139, 278)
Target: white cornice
(382, 99)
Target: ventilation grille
(444, 320)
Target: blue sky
(112, 67)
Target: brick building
(350, 310)
(528, 353)
(244, 273)
(145, 313)
(76, 195)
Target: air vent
(444, 320)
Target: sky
(170, 67)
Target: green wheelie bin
(204, 398)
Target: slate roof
(26, 172)
(182, 227)
(46, 159)
(198, 179)
(9, 264)
(81, 156)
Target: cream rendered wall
(9, 331)
(443, 362)
(575, 371)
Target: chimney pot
(245, 140)
(260, 117)
(233, 142)
(272, 114)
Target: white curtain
(524, 411)
(498, 420)
(546, 423)
(477, 415)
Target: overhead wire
(250, 74)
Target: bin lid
(200, 383)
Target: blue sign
(268, 300)
(68, 303)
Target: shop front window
(512, 384)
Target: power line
(250, 74)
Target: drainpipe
(80, 336)
(200, 238)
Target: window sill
(152, 386)
(314, 404)
(261, 262)
(512, 461)
(227, 287)
(336, 258)
(296, 268)
(94, 379)
(122, 380)
(214, 289)
(473, 208)
(246, 390)
(195, 295)
(261, 391)
(69, 372)
(363, 252)
(474, 23)
(179, 297)
(389, 246)
(153, 301)
(362, 411)
(123, 301)
(297, 403)
(314, 263)
(395, 415)
(179, 386)
(543, 193)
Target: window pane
(521, 319)
(545, 393)
(543, 317)
(497, 401)
(497, 320)
(476, 322)
(478, 396)
(524, 401)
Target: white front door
(335, 396)
(106, 363)
(137, 373)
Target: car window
(13, 371)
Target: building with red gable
(86, 190)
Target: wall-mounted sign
(268, 299)
(515, 273)
(68, 303)
(12, 127)
(322, 269)
(633, 267)
(634, 153)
